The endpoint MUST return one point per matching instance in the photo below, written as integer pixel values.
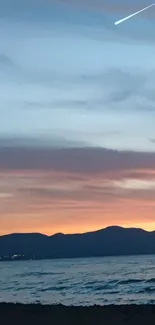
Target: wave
(28, 274)
(53, 289)
(100, 284)
(111, 292)
(147, 290)
(89, 283)
(25, 288)
(102, 287)
(113, 281)
(151, 280)
(130, 281)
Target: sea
(87, 281)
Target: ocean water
(110, 280)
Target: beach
(37, 314)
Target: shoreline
(37, 314)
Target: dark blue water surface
(112, 280)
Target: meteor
(134, 14)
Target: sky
(77, 116)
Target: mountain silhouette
(105, 242)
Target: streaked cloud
(83, 160)
(54, 190)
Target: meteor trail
(134, 14)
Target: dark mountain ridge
(105, 242)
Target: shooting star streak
(134, 14)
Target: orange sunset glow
(80, 200)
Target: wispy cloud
(52, 190)
(83, 160)
(5, 60)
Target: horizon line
(82, 233)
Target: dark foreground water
(112, 280)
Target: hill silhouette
(105, 242)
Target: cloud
(113, 89)
(62, 189)
(123, 89)
(56, 104)
(44, 143)
(76, 196)
(5, 61)
(74, 160)
(71, 186)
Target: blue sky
(70, 76)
